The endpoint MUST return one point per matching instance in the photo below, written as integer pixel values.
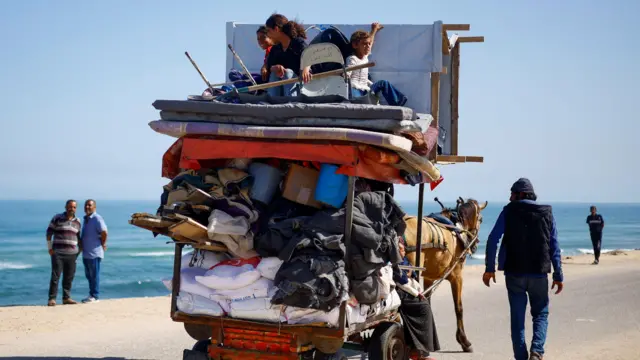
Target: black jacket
(527, 238)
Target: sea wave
(14, 266)
(152, 254)
(603, 251)
(478, 256)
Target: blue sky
(550, 94)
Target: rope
(448, 272)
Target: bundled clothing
(378, 221)
(316, 282)
(377, 224)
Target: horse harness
(436, 230)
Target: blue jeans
(283, 90)
(389, 92)
(537, 289)
(92, 272)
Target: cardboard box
(300, 185)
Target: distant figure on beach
(596, 225)
(94, 244)
(63, 241)
(529, 248)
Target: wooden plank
(471, 39)
(458, 159)
(435, 108)
(446, 46)
(191, 230)
(456, 27)
(475, 159)
(455, 86)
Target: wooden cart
(229, 338)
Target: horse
(442, 251)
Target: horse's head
(470, 214)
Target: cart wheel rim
(395, 349)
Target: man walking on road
(596, 225)
(529, 248)
(63, 237)
(94, 244)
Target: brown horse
(441, 248)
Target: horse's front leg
(456, 289)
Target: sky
(550, 95)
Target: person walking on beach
(94, 244)
(529, 248)
(63, 241)
(596, 225)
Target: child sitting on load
(265, 43)
(362, 42)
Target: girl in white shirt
(362, 42)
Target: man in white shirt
(362, 42)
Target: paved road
(597, 316)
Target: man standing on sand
(596, 225)
(94, 244)
(63, 241)
(529, 248)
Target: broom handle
(315, 76)
(244, 68)
(199, 72)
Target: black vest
(527, 238)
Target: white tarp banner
(405, 55)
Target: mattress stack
(330, 118)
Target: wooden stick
(469, 39)
(295, 80)
(199, 72)
(435, 109)
(456, 27)
(244, 68)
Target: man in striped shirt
(63, 241)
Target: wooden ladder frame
(451, 46)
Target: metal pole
(419, 230)
(175, 283)
(348, 223)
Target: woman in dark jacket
(284, 59)
(415, 309)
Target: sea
(136, 262)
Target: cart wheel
(202, 346)
(387, 342)
(197, 331)
(319, 355)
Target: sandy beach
(597, 316)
